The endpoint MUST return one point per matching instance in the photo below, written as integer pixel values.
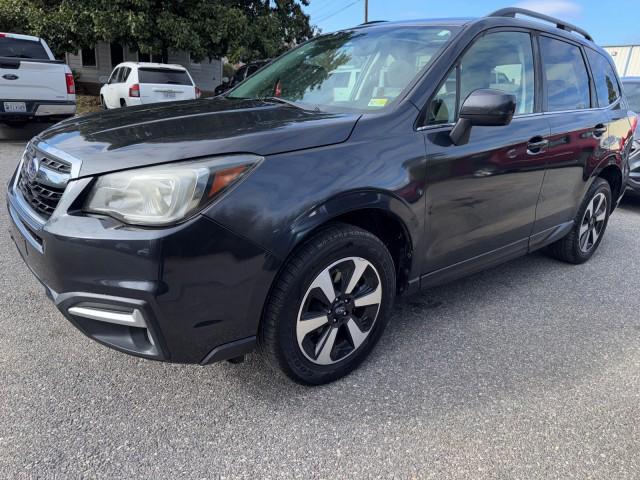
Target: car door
(481, 196)
(578, 135)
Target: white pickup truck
(34, 86)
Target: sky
(610, 22)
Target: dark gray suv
(287, 214)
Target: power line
(325, 7)
(327, 17)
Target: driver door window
(500, 61)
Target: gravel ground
(529, 370)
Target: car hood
(159, 133)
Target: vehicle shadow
(22, 134)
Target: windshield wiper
(288, 102)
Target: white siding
(207, 74)
(626, 58)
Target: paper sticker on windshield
(378, 102)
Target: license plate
(15, 107)
(169, 95)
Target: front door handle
(537, 145)
(599, 130)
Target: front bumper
(39, 110)
(192, 293)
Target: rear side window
(163, 76)
(17, 48)
(115, 75)
(566, 76)
(605, 79)
(125, 74)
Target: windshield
(360, 70)
(18, 48)
(632, 90)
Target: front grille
(40, 195)
(57, 165)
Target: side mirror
(103, 79)
(483, 108)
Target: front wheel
(589, 226)
(329, 306)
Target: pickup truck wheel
(329, 306)
(589, 226)
(122, 103)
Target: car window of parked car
(500, 61)
(126, 71)
(566, 76)
(604, 77)
(380, 63)
(18, 48)
(114, 76)
(632, 91)
(163, 76)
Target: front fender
(352, 202)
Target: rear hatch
(159, 84)
(27, 72)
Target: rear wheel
(329, 307)
(102, 103)
(589, 227)
(122, 103)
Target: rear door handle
(599, 130)
(537, 145)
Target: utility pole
(366, 11)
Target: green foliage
(242, 30)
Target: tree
(242, 30)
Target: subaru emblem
(33, 167)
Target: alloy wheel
(339, 310)
(593, 223)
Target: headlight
(165, 194)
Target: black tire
(277, 338)
(102, 103)
(123, 104)
(568, 249)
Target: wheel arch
(386, 216)
(613, 175)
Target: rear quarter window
(604, 78)
(163, 76)
(18, 48)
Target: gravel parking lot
(529, 370)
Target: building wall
(207, 74)
(626, 58)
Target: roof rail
(513, 11)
